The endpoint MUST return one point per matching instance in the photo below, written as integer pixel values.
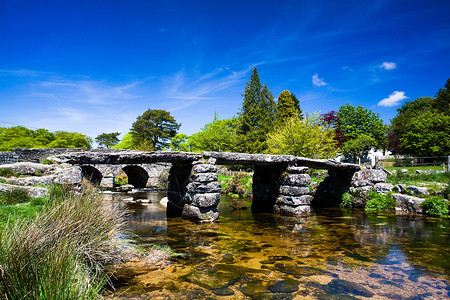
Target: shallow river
(330, 255)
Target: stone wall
(8, 158)
(38, 155)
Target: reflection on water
(329, 255)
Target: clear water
(330, 255)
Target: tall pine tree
(257, 116)
(287, 108)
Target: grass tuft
(63, 251)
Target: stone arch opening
(92, 174)
(137, 176)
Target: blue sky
(94, 66)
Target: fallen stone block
(406, 203)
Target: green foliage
(8, 173)
(256, 117)
(427, 135)
(108, 140)
(154, 128)
(356, 121)
(287, 108)
(442, 102)
(179, 143)
(239, 184)
(126, 143)
(215, 136)
(435, 206)
(358, 147)
(421, 127)
(303, 137)
(379, 203)
(14, 197)
(64, 139)
(346, 201)
(21, 137)
(121, 178)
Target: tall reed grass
(62, 253)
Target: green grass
(412, 179)
(12, 213)
(14, 197)
(413, 169)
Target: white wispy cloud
(318, 82)
(388, 65)
(394, 99)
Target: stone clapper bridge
(280, 182)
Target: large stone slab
(229, 158)
(32, 180)
(33, 192)
(26, 168)
(126, 157)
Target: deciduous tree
(303, 137)
(356, 121)
(359, 146)
(427, 135)
(217, 135)
(108, 140)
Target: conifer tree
(257, 116)
(287, 108)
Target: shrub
(435, 206)
(61, 254)
(240, 184)
(14, 197)
(346, 200)
(379, 202)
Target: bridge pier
(293, 193)
(193, 192)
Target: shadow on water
(332, 254)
